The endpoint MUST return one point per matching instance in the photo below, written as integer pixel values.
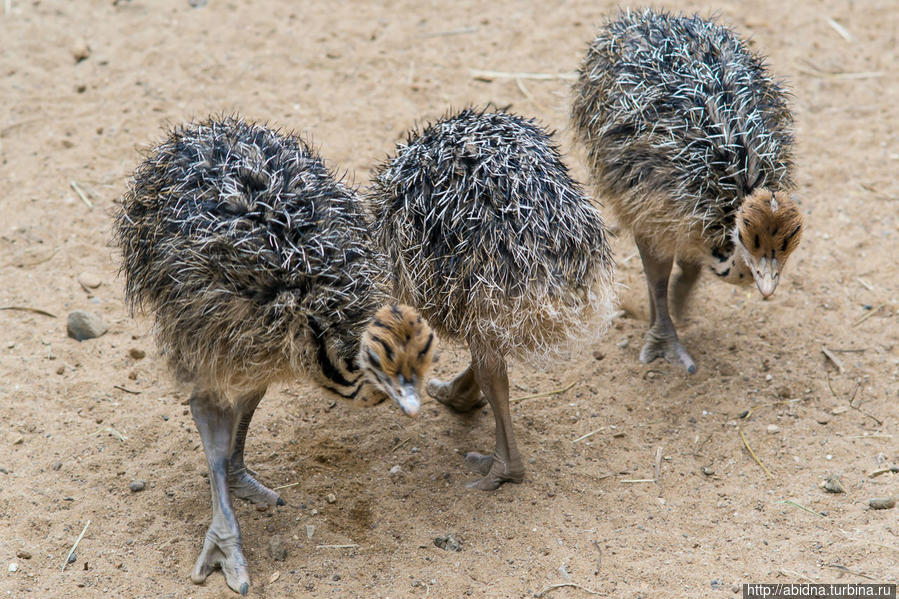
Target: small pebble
(13, 567)
(336, 577)
(773, 429)
(80, 50)
(707, 471)
(448, 543)
(137, 485)
(22, 554)
(598, 355)
(716, 584)
(822, 418)
(274, 577)
(623, 343)
(61, 370)
(72, 558)
(84, 325)
(137, 353)
(310, 530)
(18, 440)
(882, 503)
(832, 484)
(331, 498)
(396, 469)
(89, 280)
(277, 548)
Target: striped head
(768, 229)
(396, 353)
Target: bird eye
(373, 358)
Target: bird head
(767, 230)
(396, 353)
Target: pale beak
(766, 277)
(408, 400)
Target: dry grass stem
(483, 75)
(74, 185)
(868, 315)
(560, 585)
(460, 31)
(833, 358)
(28, 309)
(288, 485)
(752, 453)
(72, 550)
(802, 507)
(841, 31)
(129, 391)
(545, 394)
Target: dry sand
(353, 76)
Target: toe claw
(280, 502)
(245, 588)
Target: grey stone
(84, 325)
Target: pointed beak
(408, 400)
(766, 277)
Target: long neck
(335, 363)
(728, 265)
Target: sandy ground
(353, 76)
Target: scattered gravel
(448, 543)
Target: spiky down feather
(681, 121)
(490, 237)
(253, 257)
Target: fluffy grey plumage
(679, 110)
(257, 263)
(489, 237)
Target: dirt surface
(84, 85)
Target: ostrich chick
(259, 266)
(494, 243)
(689, 140)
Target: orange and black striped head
(396, 353)
(768, 229)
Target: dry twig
(28, 309)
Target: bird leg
(505, 464)
(661, 339)
(462, 394)
(222, 547)
(683, 285)
(241, 480)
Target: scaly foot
(495, 471)
(459, 400)
(666, 347)
(223, 552)
(242, 484)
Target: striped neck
(336, 368)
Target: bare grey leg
(505, 464)
(683, 284)
(241, 480)
(462, 394)
(661, 339)
(222, 547)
